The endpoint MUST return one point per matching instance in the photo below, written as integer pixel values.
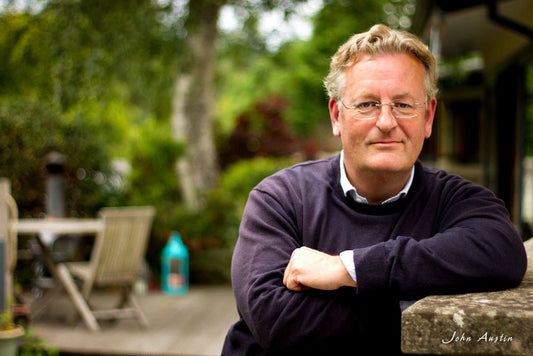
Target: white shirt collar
(349, 189)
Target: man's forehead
(391, 76)
(364, 57)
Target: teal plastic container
(175, 266)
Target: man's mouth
(386, 143)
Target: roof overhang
(496, 29)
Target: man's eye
(402, 105)
(366, 105)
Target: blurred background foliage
(94, 80)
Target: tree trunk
(193, 104)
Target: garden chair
(116, 259)
(11, 244)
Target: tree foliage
(250, 73)
(29, 132)
(81, 78)
(95, 81)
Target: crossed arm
(309, 268)
(270, 265)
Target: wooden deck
(192, 324)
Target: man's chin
(390, 166)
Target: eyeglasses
(370, 110)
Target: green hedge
(211, 232)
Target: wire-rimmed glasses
(370, 110)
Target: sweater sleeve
(474, 247)
(277, 317)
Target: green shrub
(29, 130)
(211, 232)
(239, 179)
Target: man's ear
(334, 115)
(430, 115)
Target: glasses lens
(371, 110)
(367, 111)
(403, 110)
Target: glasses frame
(379, 105)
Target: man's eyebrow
(365, 96)
(375, 97)
(403, 96)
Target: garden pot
(9, 341)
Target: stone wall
(492, 323)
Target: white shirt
(350, 191)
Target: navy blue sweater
(447, 235)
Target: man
(329, 250)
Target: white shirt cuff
(349, 264)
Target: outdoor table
(59, 226)
(48, 228)
(46, 231)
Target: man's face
(384, 144)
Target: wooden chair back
(120, 248)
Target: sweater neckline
(375, 209)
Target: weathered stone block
(493, 323)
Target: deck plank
(193, 324)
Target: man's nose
(386, 120)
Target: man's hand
(310, 268)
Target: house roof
(495, 28)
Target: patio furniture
(116, 259)
(10, 246)
(46, 231)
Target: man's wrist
(349, 264)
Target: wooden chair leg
(141, 318)
(77, 299)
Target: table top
(59, 226)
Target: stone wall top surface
(491, 323)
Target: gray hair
(379, 40)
